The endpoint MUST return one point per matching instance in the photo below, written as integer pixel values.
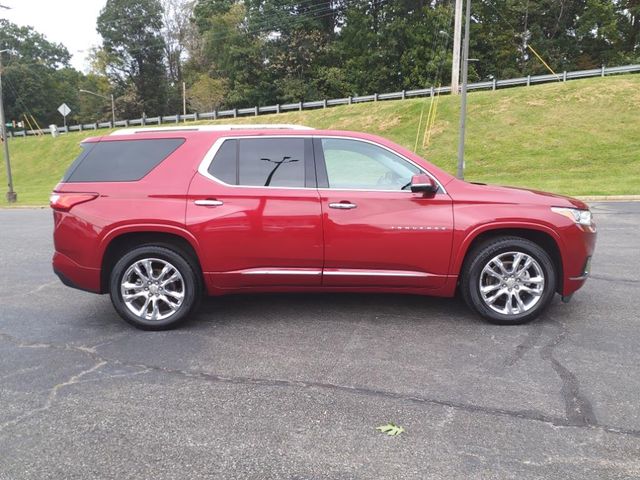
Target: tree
(177, 30)
(230, 52)
(36, 75)
(179, 34)
(207, 94)
(272, 51)
(29, 46)
(134, 46)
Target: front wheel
(509, 280)
(153, 287)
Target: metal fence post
(196, 116)
(564, 76)
(324, 103)
(235, 113)
(375, 97)
(404, 94)
(126, 123)
(159, 119)
(80, 127)
(278, 108)
(215, 114)
(494, 83)
(177, 119)
(432, 91)
(300, 106)
(602, 71)
(350, 100)
(255, 111)
(528, 80)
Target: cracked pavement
(293, 386)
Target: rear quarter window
(120, 160)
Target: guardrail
(404, 94)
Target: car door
(377, 233)
(255, 211)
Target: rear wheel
(154, 287)
(508, 280)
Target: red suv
(156, 217)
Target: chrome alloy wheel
(512, 283)
(152, 289)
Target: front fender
(463, 239)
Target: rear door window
(271, 162)
(265, 162)
(120, 160)
(225, 164)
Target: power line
(17, 97)
(220, 36)
(264, 18)
(266, 24)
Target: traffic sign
(64, 109)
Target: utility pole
(12, 196)
(457, 35)
(113, 111)
(184, 100)
(463, 100)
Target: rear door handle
(343, 205)
(208, 203)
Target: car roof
(238, 131)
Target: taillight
(64, 202)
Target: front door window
(352, 164)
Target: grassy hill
(578, 138)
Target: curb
(609, 198)
(23, 207)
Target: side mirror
(423, 183)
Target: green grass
(577, 138)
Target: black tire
(191, 285)
(481, 255)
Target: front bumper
(580, 243)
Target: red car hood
(460, 190)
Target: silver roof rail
(211, 128)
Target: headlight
(581, 217)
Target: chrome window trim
(203, 168)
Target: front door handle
(208, 203)
(343, 205)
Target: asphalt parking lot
(286, 386)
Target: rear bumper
(74, 275)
